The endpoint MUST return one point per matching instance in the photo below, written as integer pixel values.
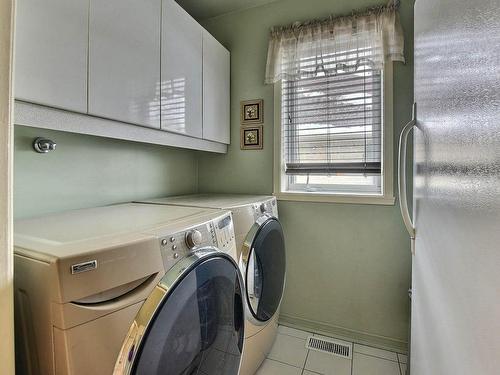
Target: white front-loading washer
(85, 278)
(261, 257)
(192, 322)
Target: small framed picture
(251, 137)
(252, 112)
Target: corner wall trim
(346, 334)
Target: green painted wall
(88, 171)
(348, 265)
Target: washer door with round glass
(192, 323)
(265, 268)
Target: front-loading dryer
(85, 278)
(261, 257)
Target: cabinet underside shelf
(39, 116)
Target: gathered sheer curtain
(334, 45)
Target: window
(333, 106)
(335, 138)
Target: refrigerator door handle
(403, 203)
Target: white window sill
(335, 198)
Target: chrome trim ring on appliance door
(198, 305)
(264, 269)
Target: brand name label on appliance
(84, 267)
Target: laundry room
(268, 187)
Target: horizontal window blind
(332, 116)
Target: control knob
(263, 208)
(193, 238)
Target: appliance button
(172, 239)
(176, 255)
(174, 247)
(164, 241)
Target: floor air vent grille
(330, 346)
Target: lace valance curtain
(335, 45)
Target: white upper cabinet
(124, 63)
(181, 71)
(124, 60)
(51, 53)
(216, 90)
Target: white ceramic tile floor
(278, 368)
(368, 365)
(374, 352)
(289, 356)
(289, 349)
(327, 364)
(293, 332)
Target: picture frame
(252, 111)
(252, 137)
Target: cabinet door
(216, 90)
(124, 60)
(51, 40)
(181, 71)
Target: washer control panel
(218, 233)
(224, 233)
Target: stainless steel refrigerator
(455, 315)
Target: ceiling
(203, 9)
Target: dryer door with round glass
(265, 268)
(192, 323)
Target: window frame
(387, 195)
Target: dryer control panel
(268, 207)
(217, 233)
